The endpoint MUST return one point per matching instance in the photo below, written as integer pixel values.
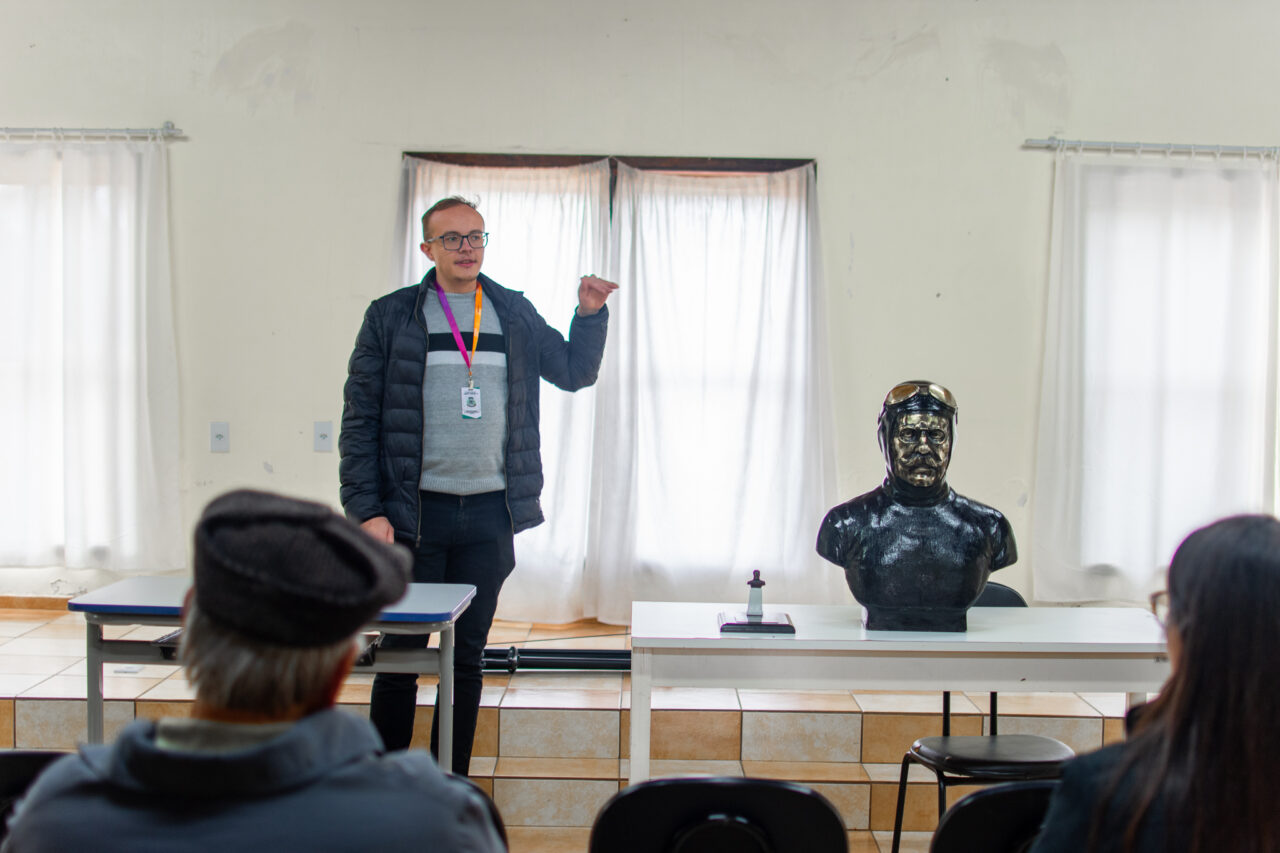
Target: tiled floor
(552, 747)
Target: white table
(1068, 649)
(427, 608)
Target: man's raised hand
(592, 292)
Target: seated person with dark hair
(1197, 773)
(265, 763)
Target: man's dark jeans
(463, 539)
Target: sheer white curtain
(712, 457)
(547, 227)
(1157, 408)
(89, 441)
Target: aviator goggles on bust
(904, 391)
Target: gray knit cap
(291, 572)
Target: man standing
(440, 442)
(265, 763)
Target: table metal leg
(444, 701)
(641, 701)
(93, 699)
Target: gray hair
(236, 673)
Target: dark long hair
(1207, 747)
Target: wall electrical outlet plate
(323, 442)
(219, 437)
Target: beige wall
(934, 220)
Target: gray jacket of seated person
(322, 785)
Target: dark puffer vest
(382, 423)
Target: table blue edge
(108, 600)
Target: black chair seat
(999, 757)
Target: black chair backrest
(718, 815)
(999, 595)
(1000, 819)
(18, 769)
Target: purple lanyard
(453, 326)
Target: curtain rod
(1053, 143)
(165, 131)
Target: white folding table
(427, 608)
(1020, 649)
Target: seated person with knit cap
(265, 763)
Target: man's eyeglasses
(1160, 606)
(905, 391)
(452, 242)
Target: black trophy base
(916, 619)
(769, 623)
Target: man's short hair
(443, 204)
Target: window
(88, 450)
(701, 453)
(1158, 401)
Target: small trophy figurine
(754, 620)
(755, 598)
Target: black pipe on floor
(495, 659)
(512, 659)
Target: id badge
(471, 403)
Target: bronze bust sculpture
(915, 553)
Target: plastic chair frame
(969, 825)
(686, 814)
(1000, 596)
